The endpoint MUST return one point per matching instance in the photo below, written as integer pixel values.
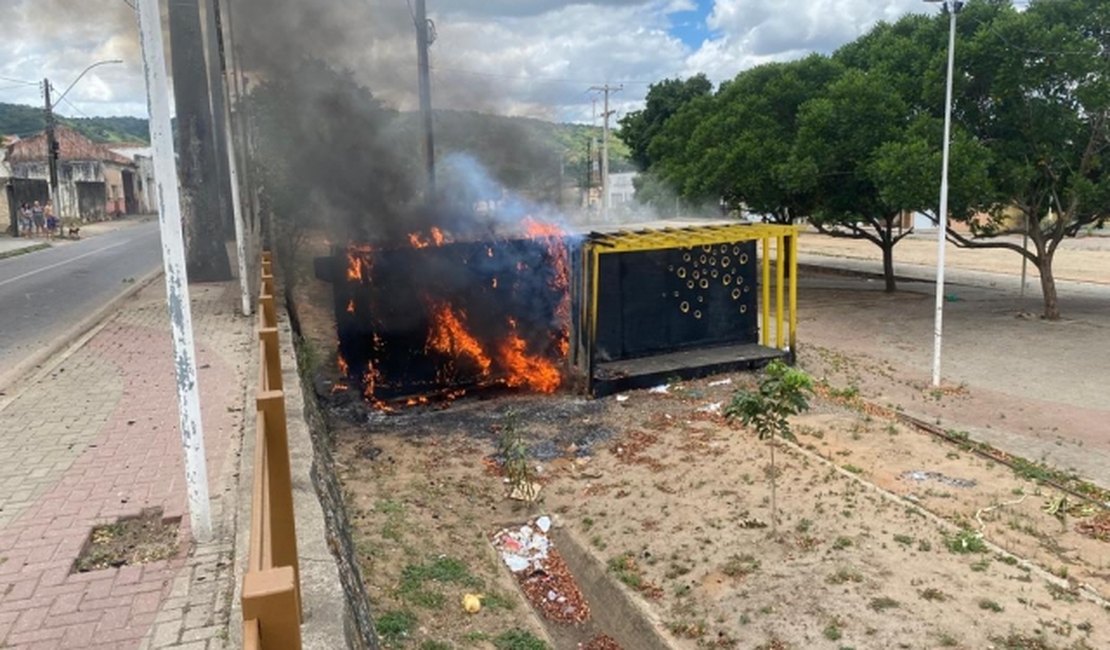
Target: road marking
(72, 259)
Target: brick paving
(95, 439)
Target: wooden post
(271, 406)
(271, 356)
(270, 597)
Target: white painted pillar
(173, 259)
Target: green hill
(16, 119)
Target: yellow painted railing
(271, 596)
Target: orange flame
(358, 262)
(552, 237)
(342, 364)
(539, 374)
(436, 237)
(370, 380)
(449, 336)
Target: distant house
(94, 182)
(621, 189)
(143, 157)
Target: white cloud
(528, 57)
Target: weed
(395, 625)
(982, 565)
(443, 570)
(513, 450)
(904, 540)
(435, 645)
(966, 541)
(947, 641)
(853, 469)
(518, 640)
(883, 603)
(989, 605)
(739, 566)
(389, 507)
(495, 600)
(841, 543)
(832, 632)
(803, 526)
(933, 594)
(843, 575)
(476, 636)
(624, 567)
(676, 570)
(587, 523)
(924, 546)
(598, 542)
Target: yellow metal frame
(785, 246)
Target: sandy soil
(1086, 259)
(676, 501)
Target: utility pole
(52, 149)
(217, 66)
(589, 172)
(425, 36)
(606, 113)
(173, 261)
(218, 106)
(200, 201)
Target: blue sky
(690, 26)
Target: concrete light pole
(953, 7)
(173, 259)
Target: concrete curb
(25, 250)
(69, 341)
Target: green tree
(845, 141)
(1036, 92)
(664, 99)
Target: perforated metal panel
(675, 298)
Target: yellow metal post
(794, 290)
(765, 261)
(780, 279)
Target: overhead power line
(23, 82)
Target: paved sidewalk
(94, 438)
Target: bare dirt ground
(868, 550)
(1033, 387)
(1085, 259)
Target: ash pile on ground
(557, 426)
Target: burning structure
(431, 317)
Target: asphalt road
(46, 293)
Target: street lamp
(953, 7)
(83, 73)
(52, 151)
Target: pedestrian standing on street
(39, 217)
(51, 219)
(25, 221)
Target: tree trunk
(888, 265)
(206, 253)
(1048, 287)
